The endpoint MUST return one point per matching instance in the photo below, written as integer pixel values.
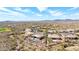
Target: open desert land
(39, 36)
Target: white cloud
(73, 8)
(42, 8)
(4, 9)
(26, 10)
(56, 13)
(38, 14)
(11, 13)
(16, 14)
(12, 16)
(74, 14)
(77, 14)
(18, 8)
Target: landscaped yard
(4, 29)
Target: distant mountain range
(56, 20)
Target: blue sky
(38, 13)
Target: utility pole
(46, 36)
